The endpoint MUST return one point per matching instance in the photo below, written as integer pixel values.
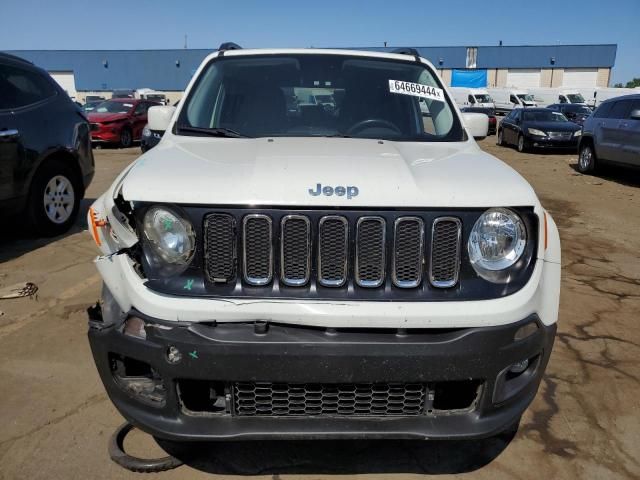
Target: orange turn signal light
(95, 224)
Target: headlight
(534, 131)
(169, 240)
(497, 241)
(146, 132)
(577, 133)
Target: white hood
(281, 171)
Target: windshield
(484, 98)
(575, 98)
(113, 107)
(544, 116)
(526, 97)
(320, 95)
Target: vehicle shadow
(347, 457)
(628, 176)
(17, 240)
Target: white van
(472, 97)
(549, 96)
(152, 95)
(596, 95)
(506, 99)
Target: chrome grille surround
(407, 263)
(295, 250)
(333, 250)
(220, 247)
(257, 249)
(371, 261)
(446, 244)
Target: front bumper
(243, 352)
(106, 134)
(541, 142)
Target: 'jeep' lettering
(327, 190)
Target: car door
(508, 127)
(600, 121)
(22, 94)
(612, 133)
(139, 119)
(630, 136)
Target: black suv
(611, 134)
(46, 162)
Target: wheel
(522, 146)
(500, 138)
(54, 198)
(586, 159)
(126, 138)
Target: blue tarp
(469, 78)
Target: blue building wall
(170, 70)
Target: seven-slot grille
(296, 250)
(366, 399)
(560, 135)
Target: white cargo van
(150, 94)
(472, 97)
(549, 96)
(596, 95)
(506, 99)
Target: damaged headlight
(169, 240)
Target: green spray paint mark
(189, 284)
(167, 223)
(194, 354)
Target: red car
(119, 120)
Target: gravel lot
(585, 422)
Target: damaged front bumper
(254, 380)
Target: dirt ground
(55, 418)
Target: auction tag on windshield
(416, 90)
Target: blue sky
(75, 24)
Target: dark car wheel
(522, 145)
(500, 138)
(54, 199)
(126, 138)
(586, 159)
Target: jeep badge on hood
(350, 191)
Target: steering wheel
(371, 122)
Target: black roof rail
(406, 51)
(15, 57)
(228, 46)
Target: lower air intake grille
(445, 252)
(349, 399)
(220, 247)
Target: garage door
(523, 77)
(66, 80)
(580, 77)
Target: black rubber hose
(140, 465)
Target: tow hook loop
(135, 464)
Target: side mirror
(159, 118)
(635, 114)
(477, 124)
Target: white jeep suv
(282, 268)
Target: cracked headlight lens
(497, 240)
(170, 238)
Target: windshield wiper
(212, 132)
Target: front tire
(522, 145)
(54, 199)
(500, 138)
(587, 159)
(126, 138)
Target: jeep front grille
(220, 247)
(445, 252)
(349, 399)
(331, 251)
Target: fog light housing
(519, 367)
(139, 379)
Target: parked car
(119, 121)
(90, 106)
(545, 96)
(46, 162)
(574, 112)
(472, 97)
(366, 272)
(611, 134)
(538, 128)
(506, 99)
(489, 112)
